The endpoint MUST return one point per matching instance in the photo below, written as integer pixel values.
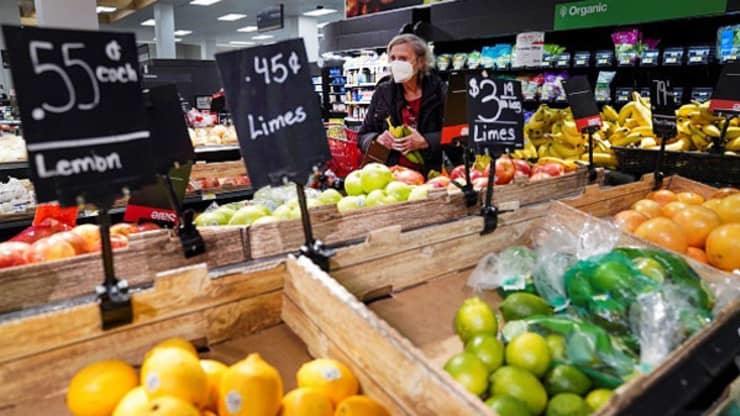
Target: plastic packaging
(443, 62)
(510, 270)
(728, 43)
(603, 92)
(626, 45)
(474, 60)
(49, 219)
(552, 88)
(458, 61)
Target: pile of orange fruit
(706, 230)
(174, 381)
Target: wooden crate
(409, 334)
(232, 315)
(333, 227)
(147, 254)
(218, 170)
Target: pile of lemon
(174, 381)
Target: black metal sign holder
(659, 174)
(313, 249)
(191, 240)
(471, 197)
(488, 211)
(590, 130)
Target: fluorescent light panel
(241, 42)
(204, 2)
(232, 17)
(262, 37)
(247, 29)
(105, 9)
(321, 25)
(319, 12)
(149, 22)
(183, 32)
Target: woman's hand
(386, 139)
(413, 141)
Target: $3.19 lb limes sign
(593, 13)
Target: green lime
(567, 404)
(566, 379)
(488, 349)
(507, 406)
(651, 268)
(475, 317)
(468, 370)
(521, 385)
(522, 305)
(530, 352)
(611, 276)
(598, 398)
(556, 344)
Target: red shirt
(410, 117)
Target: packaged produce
(531, 86)
(12, 148)
(626, 45)
(474, 59)
(728, 42)
(459, 60)
(16, 196)
(443, 61)
(603, 92)
(499, 55)
(552, 88)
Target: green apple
(375, 176)
(247, 215)
(353, 183)
(211, 218)
(419, 192)
(349, 203)
(399, 190)
(264, 209)
(265, 220)
(283, 212)
(226, 211)
(329, 197)
(378, 197)
(295, 213)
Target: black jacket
(388, 100)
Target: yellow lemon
(134, 403)
(213, 370)
(174, 372)
(306, 402)
(180, 343)
(250, 387)
(360, 406)
(171, 406)
(96, 389)
(330, 377)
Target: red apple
(116, 241)
(89, 232)
(409, 176)
(13, 253)
(124, 229)
(73, 239)
(458, 172)
(522, 168)
(47, 249)
(439, 182)
(480, 183)
(552, 169)
(504, 170)
(538, 176)
(148, 226)
(475, 174)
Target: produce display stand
(229, 316)
(409, 335)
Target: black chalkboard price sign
(80, 102)
(494, 114)
(663, 107)
(583, 103)
(276, 114)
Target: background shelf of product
(362, 74)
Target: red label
(136, 212)
(450, 133)
(724, 105)
(593, 121)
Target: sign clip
(313, 249)
(488, 211)
(192, 241)
(471, 197)
(113, 296)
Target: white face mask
(402, 71)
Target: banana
(683, 127)
(603, 146)
(730, 153)
(602, 159)
(543, 150)
(627, 140)
(566, 139)
(569, 128)
(711, 130)
(648, 143)
(686, 109)
(631, 123)
(564, 150)
(700, 142)
(626, 112)
(610, 114)
(645, 102)
(567, 164)
(682, 144)
(733, 132)
(735, 122)
(643, 131)
(733, 145)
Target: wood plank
(229, 169)
(376, 347)
(224, 245)
(244, 316)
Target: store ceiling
(203, 20)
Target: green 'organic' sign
(593, 13)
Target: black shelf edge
(18, 170)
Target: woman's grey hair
(419, 46)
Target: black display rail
(8, 229)
(18, 170)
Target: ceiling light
(320, 11)
(204, 2)
(183, 32)
(232, 17)
(105, 9)
(148, 22)
(241, 42)
(178, 39)
(262, 37)
(247, 29)
(321, 25)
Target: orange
(305, 401)
(664, 233)
(729, 209)
(670, 209)
(690, 198)
(328, 376)
(712, 204)
(722, 247)
(213, 369)
(724, 192)
(697, 254)
(697, 222)
(97, 388)
(662, 196)
(647, 207)
(629, 219)
(360, 406)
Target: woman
(413, 95)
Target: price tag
(627, 59)
(649, 58)
(678, 95)
(701, 94)
(622, 95)
(698, 55)
(275, 111)
(152, 202)
(582, 59)
(208, 196)
(529, 49)
(494, 114)
(80, 100)
(663, 106)
(604, 58)
(563, 61)
(727, 93)
(170, 142)
(582, 103)
(672, 56)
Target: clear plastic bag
(509, 270)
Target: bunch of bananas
(697, 128)
(551, 135)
